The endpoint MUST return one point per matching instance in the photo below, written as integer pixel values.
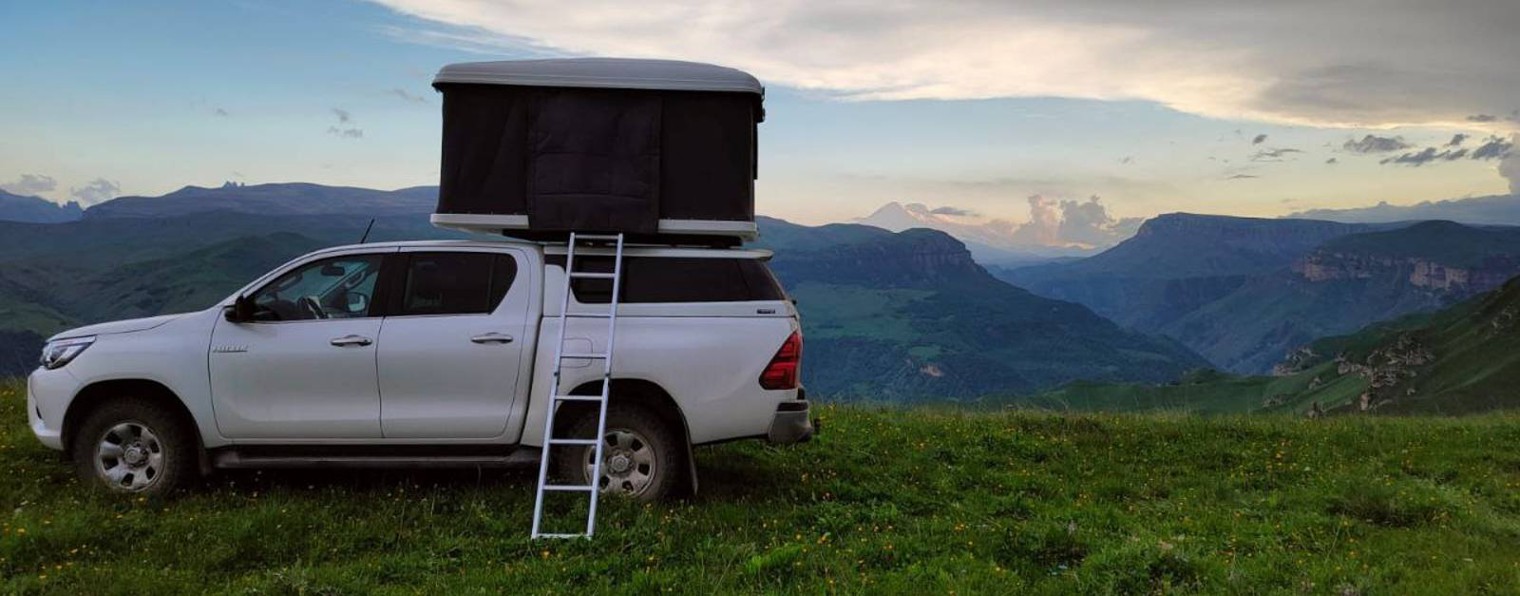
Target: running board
(232, 460)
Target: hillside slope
(906, 316)
(1346, 284)
(1460, 360)
(891, 501)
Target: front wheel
(640, 454)
(134, 446)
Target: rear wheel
(134, 446)
(640, 454)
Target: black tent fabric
(598, 159)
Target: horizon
(1083, 144)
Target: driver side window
(336, 288)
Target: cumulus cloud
(1509, 167)
(953, 211)
(1067, 222)
(1331, 62)
(1376, 144)
(343, 129)
(1259, 139)
(1482, 118)
(30, 184)
(1332, 161)
(1457, 140)
(98, 190)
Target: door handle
(351, 340)
(492, 338)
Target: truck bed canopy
(535, 148)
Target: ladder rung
(583, 356)
(598, 236)
(561, 536)
(590, 315)
(585, 488)
(591, 275)
(578, 397)
(586, 442)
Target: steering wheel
(312, 307)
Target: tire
(641, 456)
(135, 446)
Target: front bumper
(792, 422)
(47, 392)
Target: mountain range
(36, 209)
(1246, 292)
(888, 316)
(1490, 210)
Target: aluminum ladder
(555, 398)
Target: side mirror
(241, 310)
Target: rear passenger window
(659, 279)
(457, 283)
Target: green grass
(884, 501)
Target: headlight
(58, 353)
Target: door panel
(304, 368)
(288, 380)
(447, 372)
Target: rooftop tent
(657, 149)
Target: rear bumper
(792, 422)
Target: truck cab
(432, 354)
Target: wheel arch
(96, 394)
(636, 391)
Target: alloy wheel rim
(628, 463)
(129, 457)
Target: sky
(1000, 109)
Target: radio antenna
(366, 230)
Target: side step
(233, 459)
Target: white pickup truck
(432, 354)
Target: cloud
(1332, 161)
(1259, 139)
(97, 191)
(1457, 140)
(1376, 144)
(1493, 148)
(1482, 118)
(1241, 177)
(1066, 222)
(1509, 167)
(342, 130)
(407, 96)
(953, 211)
(1331, 62)
(221, 112)
(30, 184)
(1272, 154)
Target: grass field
(894, 501)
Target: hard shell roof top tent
(659, 150)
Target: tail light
(781, 373)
